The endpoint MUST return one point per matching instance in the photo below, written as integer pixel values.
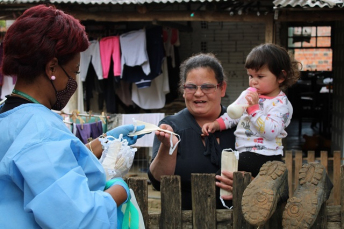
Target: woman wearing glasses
(202, 83)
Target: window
(311, 45)
(204, 46)
(204, 25)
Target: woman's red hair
(36, 37)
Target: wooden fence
(295, 163)
(205, 214)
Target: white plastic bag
(117, 157)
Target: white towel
(7, 87)
(154, 118)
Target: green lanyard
(24, 95)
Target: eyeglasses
(206, 88)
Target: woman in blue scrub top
(48, 177)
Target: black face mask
(62, 97)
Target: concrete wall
(230, 42)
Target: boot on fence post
(263, 194)
(311, 194)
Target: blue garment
(48, 178)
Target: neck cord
(26, 96)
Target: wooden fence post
(289, 164)
(203, 201)
(298, 166)
(310, 156)
(336, 176)
(171, 202)
(324, 159)
(240, 183)
(140, 188)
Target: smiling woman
(203, 105)
(203, 84)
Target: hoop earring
(52, 77)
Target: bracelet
(102, 136)
(89, 144)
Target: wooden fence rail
(205, 214)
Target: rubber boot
(262, 195)
(313, 190)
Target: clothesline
(76, 114)
(85, 126)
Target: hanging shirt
(134, 50)
(153, 97)
(89, 131)
(91, 55)
(171, 39)
(156, 54)
(48, 178)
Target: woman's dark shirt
(12, 102)
(191, 155)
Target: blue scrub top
(48, 178)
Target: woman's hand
(226, 183)
(164, 163)
(164, 137)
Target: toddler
(261, 128)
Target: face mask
(62, 97)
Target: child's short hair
(276, 58)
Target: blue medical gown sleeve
(57, 190)
(48, 178)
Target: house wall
(230, 42)
(338, 93)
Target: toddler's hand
(210, 127)
(252, 98)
